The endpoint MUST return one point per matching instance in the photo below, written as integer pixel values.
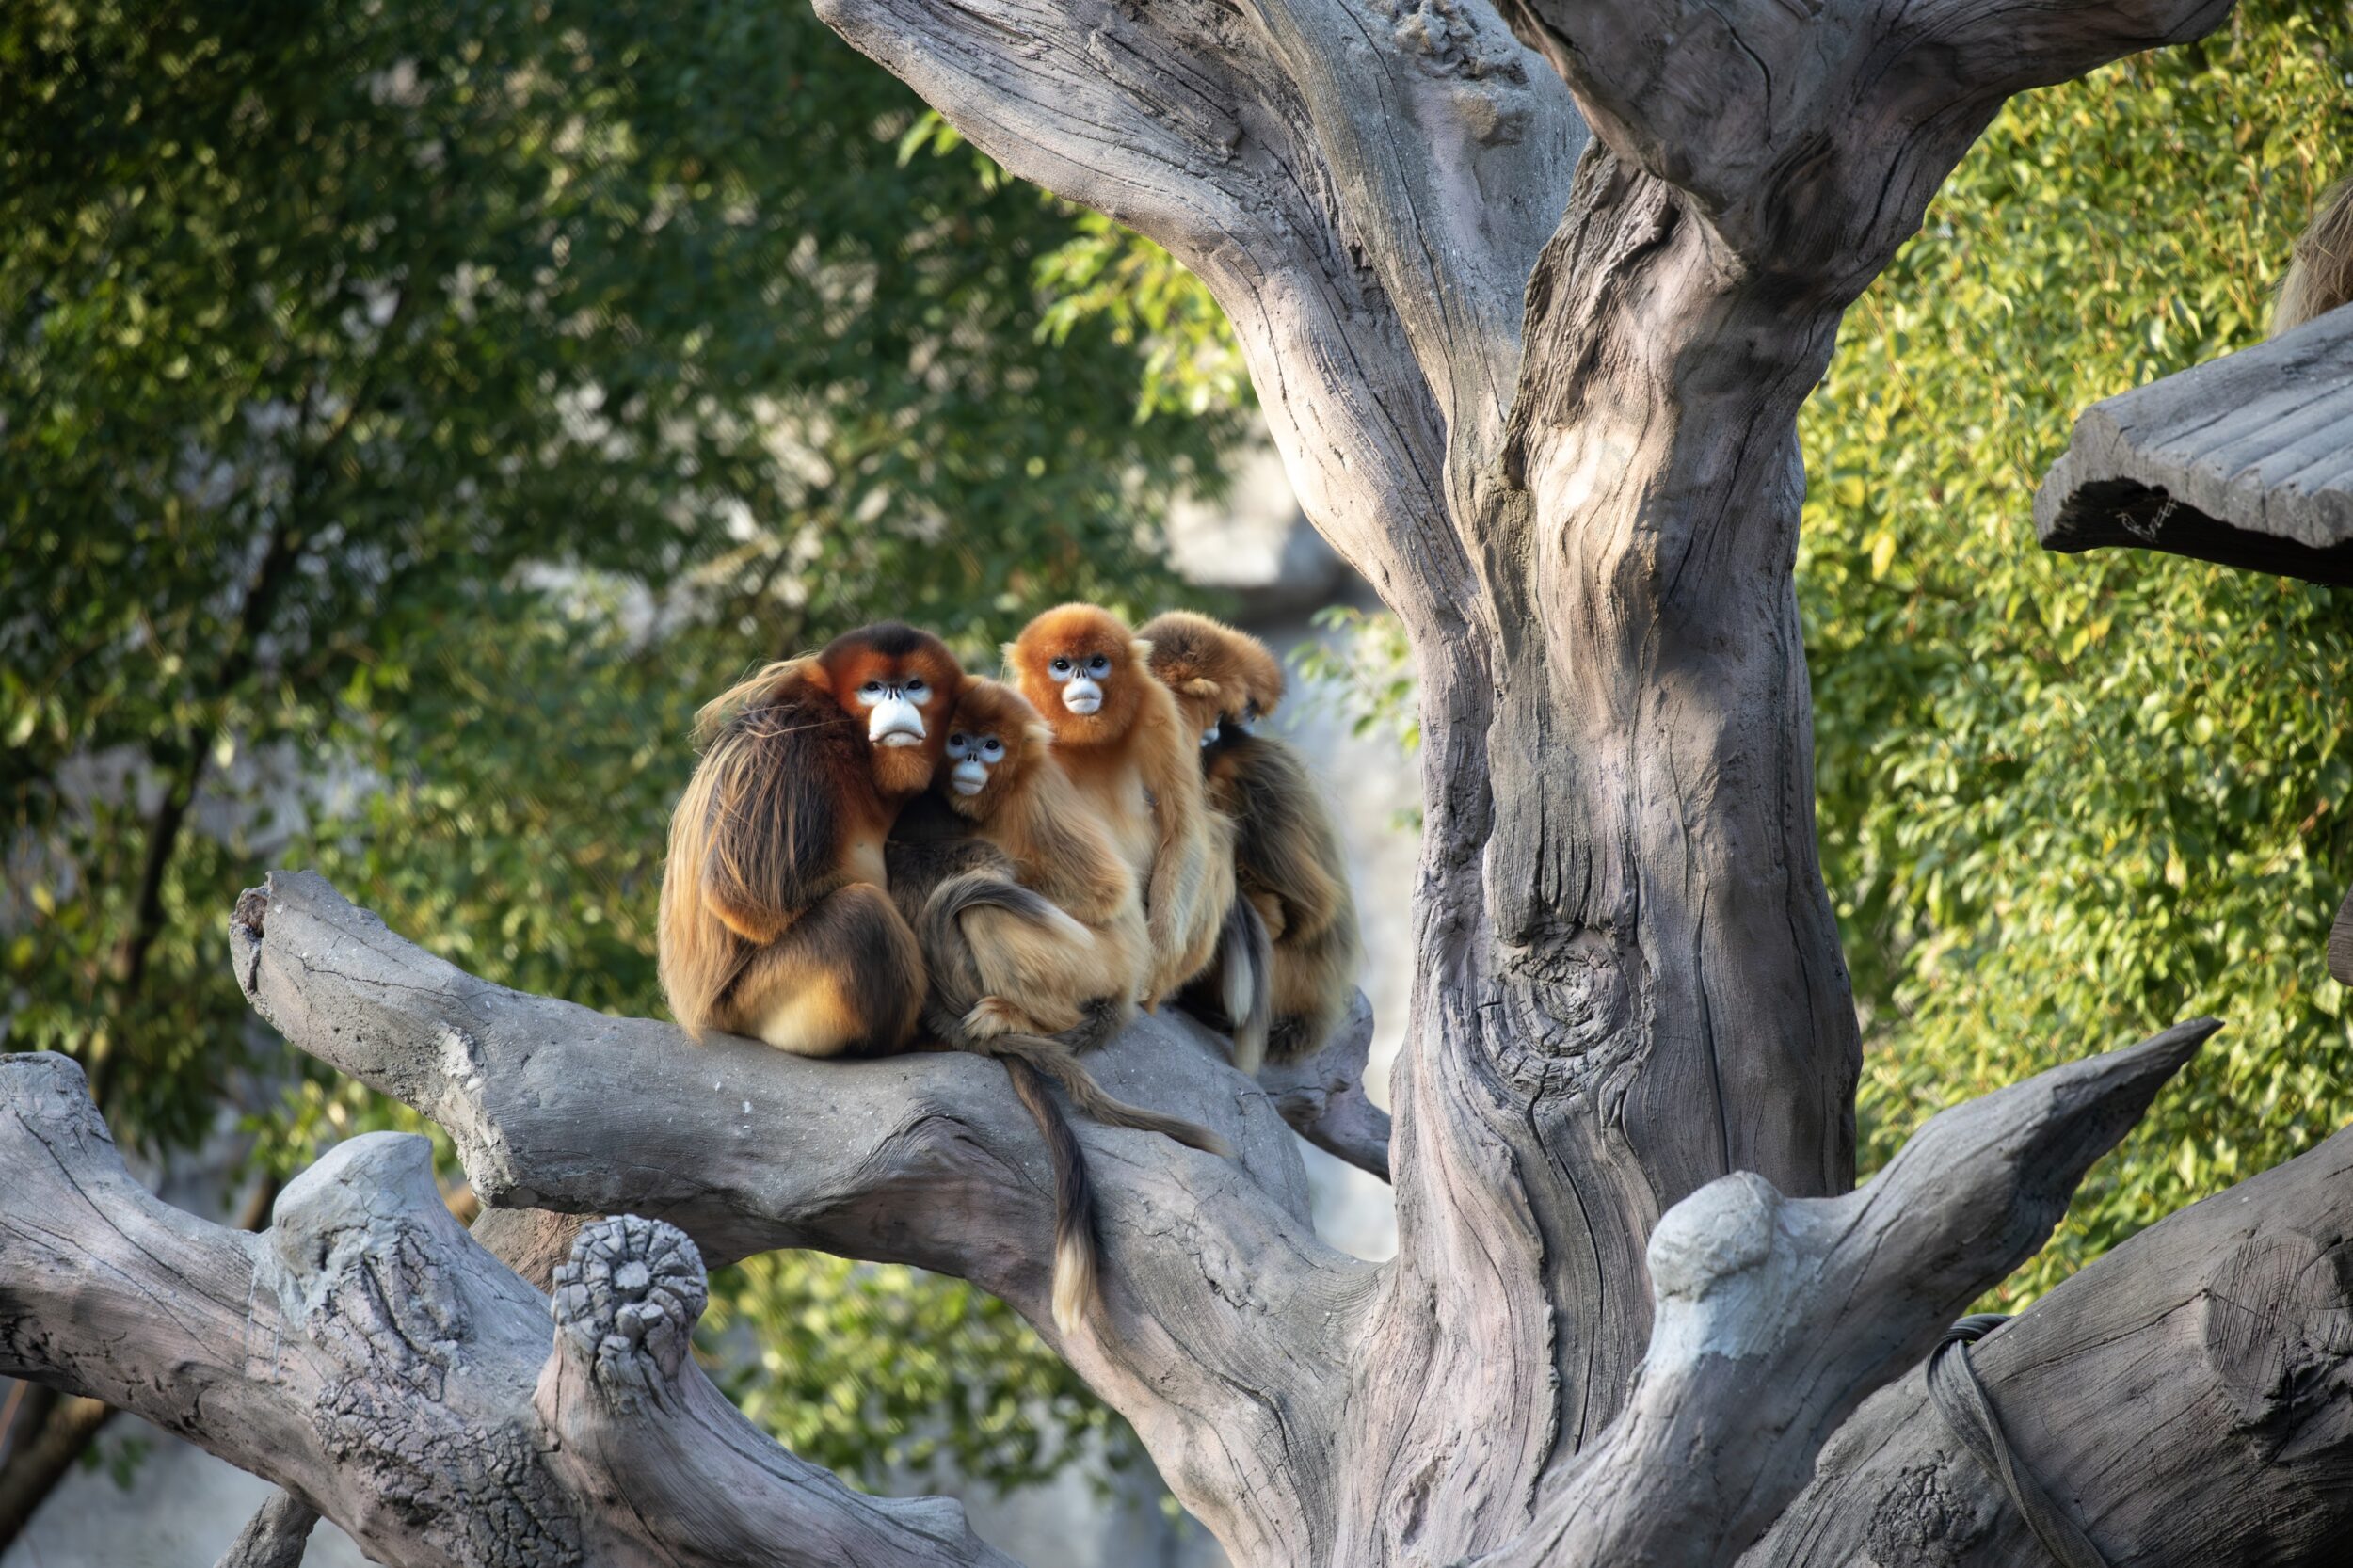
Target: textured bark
(1323, 1097)
(373, 1359)
(1541, 387)
(2188, 1399)
(276, 1537)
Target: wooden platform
(2246, 460)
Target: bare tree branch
(373, 1359)
(1225, 1323)
(1323, 1097)
(2188, 1397)
(1813, 133)
(1776, 1316)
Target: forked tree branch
(2188, 1397)
(1813, 133)
(1323, 1097)
(370, 1357)
(1224, 1324)
(1775, 1317)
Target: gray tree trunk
(1531, 323)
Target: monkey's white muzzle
(895, 722)
(1082, 696)
(970, 776)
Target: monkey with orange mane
(775, 919)
(1125, 746)
(1037, 944)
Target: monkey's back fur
(774, 922)
(1288, 864)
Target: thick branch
(2186, 1399)
(370, 1357)
(1323, 1097)
(1776, 1316)
(1813, 133)
(1225, 1321)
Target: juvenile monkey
(1041, 935)
(1119, 736)
(2321, 277)
(1287, 853)
(775, 921)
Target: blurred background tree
(409, 413)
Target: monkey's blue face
(1082, 678)
(972, 756)
(894, 702)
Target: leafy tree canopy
(408, 412)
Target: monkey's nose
(1082, 697)
(895, 722)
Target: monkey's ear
(1141, 651)
(1037, 732)
(1012, 654)
(1200, 685)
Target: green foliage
(916, 1381)
(1109, 276)
(2068, 799)
(408, 411)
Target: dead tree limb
(2188, 1397)
(393, 1376)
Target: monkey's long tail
(1056, 1057)
(1245, 970)
(1053, 1059)
(1075, 1281)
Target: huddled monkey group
(880, 853)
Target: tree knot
(629, 1298)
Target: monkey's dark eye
(958, 741)
(1100, 664)
(992, 747)
(873, 688)
(1062, 666)
(915, 688)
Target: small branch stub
(627, 1303)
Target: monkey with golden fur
(1121, 740)
(2320, 278)
(775, 919)
(1035, 942)
(1286, 854)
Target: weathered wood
(1571, 466)
(2188, 1397)
(2246, 460)
(277, 1535)
(1777, 1315)
(1225, 1323)
(1323, 1097)
(391, 1375)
